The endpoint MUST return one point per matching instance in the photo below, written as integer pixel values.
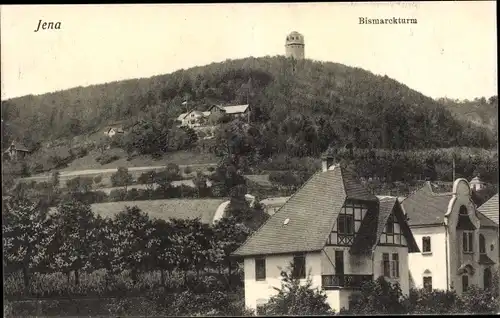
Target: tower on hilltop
(294, 46)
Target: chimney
(327, 162)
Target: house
(16, 151)
(271, 205)
(336, 231)
(193, 118)
(236, 111)
(490, 210)
(112, 131)
(459, 244)
(477, 184)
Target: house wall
(353, 264)
(456, 255)
(403, 278)
(261, 291)
(434, 261)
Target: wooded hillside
(300, 108)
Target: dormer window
(348, 223)
(392, 234)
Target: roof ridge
(280, 209)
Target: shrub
(294, 298)
(98, 179)
(117, 195)
(106, 158)
(379, 296)
(188, 170)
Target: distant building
(294, 46)
(112, 131)
(193, 118)
(16, 151)
(236, 111)
(271, 205)
(477, 184)
(459, 244)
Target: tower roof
(295, 38)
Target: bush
(379, 296)
(296, 299)
(188, 170)
(98, 179)
(117, 195)
(105, 159)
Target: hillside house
(236, 111)
(16, 151)
(459, 244)
(336, 231)
(112, 131)
(193, 118)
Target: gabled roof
(311, 213)
(18, 147)
(490, 209)
(424, 206)
(236, 109)
(476, 180)
(373, 226)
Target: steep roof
(311, 213)
(18, 146)
(490, 209)
(424, 206)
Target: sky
(450, 52)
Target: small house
(112, 131)
(16, 151)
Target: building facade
(458, 244)
(295, 46)
(334, 231)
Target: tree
(161, 248)
(121, 178)
(79, 185)
(132, 231)
(148, 178)
(294, 298)
(76, 233)
(27, 232)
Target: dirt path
(64, 174)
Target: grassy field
(184, 158)
(165, 209)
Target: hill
(300, 109)
(480, 111)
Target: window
(260, 268)
(386, 265)
(467, 242)
(389, 227)
(395, 266)
(346, 224)
(462, 210)
(299, 266)
(482, 244)
(428, 283)
(426, 244)
(465, 283)
(487, 278)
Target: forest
(300, 107)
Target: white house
(458, 244)
(477, 184)
(112, 131)
(193, 118)
(335, 230)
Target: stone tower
(294, 46)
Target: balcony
(330, 282)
